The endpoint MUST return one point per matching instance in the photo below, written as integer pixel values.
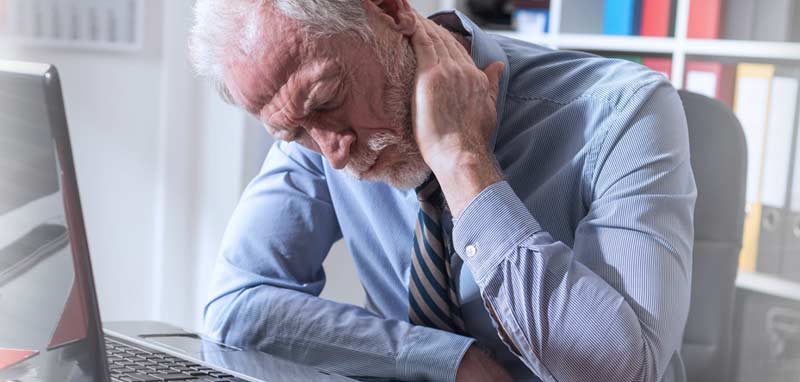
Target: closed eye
(327, 106)
(331, 101)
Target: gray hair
(223, 27)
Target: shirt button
(471, 251)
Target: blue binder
(622, 17)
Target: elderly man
(514, 212)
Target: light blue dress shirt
(583, 252)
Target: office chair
(719, 162)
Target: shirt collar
(484, 51)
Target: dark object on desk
(768, 333)
(719, 161)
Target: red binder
(704, 19)
(658, 64)
(725, 79)
(656, 18)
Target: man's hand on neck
(454, 114)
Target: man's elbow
(645, 361)
(219, 318)
(639, 354)
(239, 318)
(632, 358)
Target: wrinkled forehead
(253, 76)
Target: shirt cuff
(431, 354)
(493, 223)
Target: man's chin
(403, 175)
(408, 183)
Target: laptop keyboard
(127, 363)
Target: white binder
(778, 143)
(751, 105)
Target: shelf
(67, 44)
(658, 45)
(599, 42)
(744, 49)
(768, 284)
(616, 43)
(536, 39)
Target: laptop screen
(49, 326)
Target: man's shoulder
(561, 76)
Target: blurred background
(161, 160)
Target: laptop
(50, 328)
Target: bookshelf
(678, 48)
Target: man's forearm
(466, 178)
(336, 337)
(562, 319)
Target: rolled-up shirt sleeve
(269, 274)
(613, 306)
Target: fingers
(444, 39)
(434, 31)
(423, 46)
(454, 47)
(493, 72)
(433, 43)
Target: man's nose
(335, 145)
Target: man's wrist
(479, 366)
(465, 177)
(430, 354)
(496, 213)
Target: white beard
(399, 68)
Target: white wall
(112, 108)
(161, 162)
(138, 151)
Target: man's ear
(397, 13)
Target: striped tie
(432, 297)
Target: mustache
(382, 140)
(363, 160)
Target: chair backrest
(719, 161)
